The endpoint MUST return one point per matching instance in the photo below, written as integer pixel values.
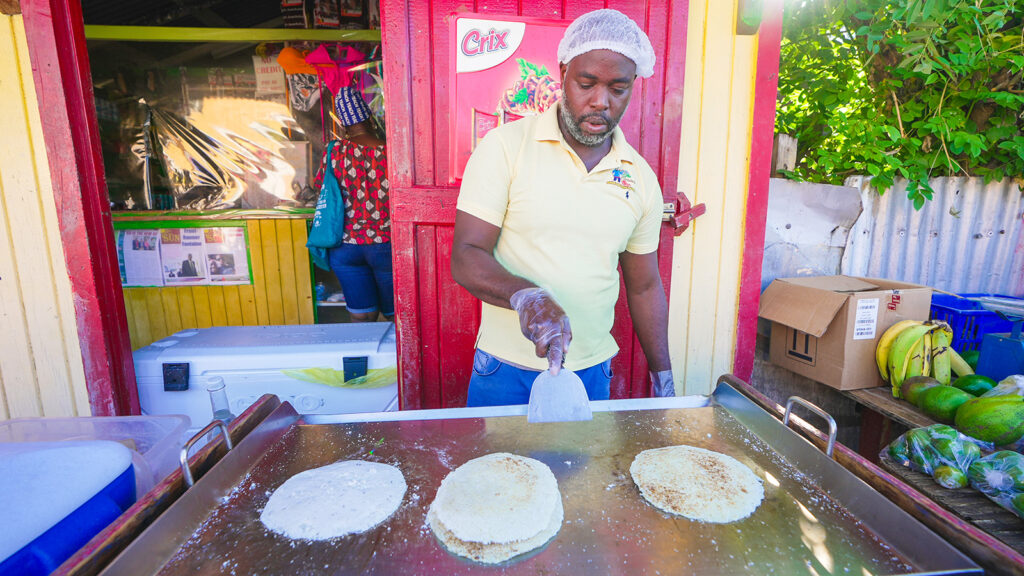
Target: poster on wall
(506, 68)
(196, 256)
(182, 255)
(139, 257)
(227, 260)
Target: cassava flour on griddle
(697, 483)
(342, 498)
(495, 507)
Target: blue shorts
(495, 383)
(364, 271)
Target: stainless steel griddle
(816, 519)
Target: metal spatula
(558, 398)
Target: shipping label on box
(866, 323)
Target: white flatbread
(342, 498)
(498, 498)
(495, 553)
(697, 483)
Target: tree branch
(899, 118)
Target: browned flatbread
(697, 483)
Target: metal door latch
(680, 213)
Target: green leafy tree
(904, 88)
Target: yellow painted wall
(280, 293)
(41, 371)
(718, 99)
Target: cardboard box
(826, 327)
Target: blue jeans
(495, 383)
(364, 271)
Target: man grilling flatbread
(549, 207)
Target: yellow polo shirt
(562, 228)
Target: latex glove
(662, 384)
(544, 323)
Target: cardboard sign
(506, 68)
(269, 76)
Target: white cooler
(172, 373)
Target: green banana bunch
(884, 347)
(908, 353)
(942, 354)
(915, 348)
(959, 365)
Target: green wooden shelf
(253, 35)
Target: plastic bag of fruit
(1009, 385)
(1000, 476)
(939, 451)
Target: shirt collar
(547, 130)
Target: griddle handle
(183, 456)
(813, 408)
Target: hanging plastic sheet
(195, 132)
(232, 152)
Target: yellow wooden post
(41, 370)
(713, 166)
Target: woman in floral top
(362, 262)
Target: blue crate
(970, 322)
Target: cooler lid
(267, 347)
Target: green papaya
(1015, 458)
(971, 357)
(914, 386)
(1018, 504)
(942, 402)
(1013, 464)
(960, 453)
(1001, 472)
(950, 477)
(974, 384)
(971, 451)
(996, 419)
(920, 451)
(943, 431)
(898, 451)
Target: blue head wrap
(350, 107)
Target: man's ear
(562, 68)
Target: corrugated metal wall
(969, 238)
(41, 370)
(280, 292)
(714, 161)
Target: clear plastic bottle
(321, 291)
(219, 400)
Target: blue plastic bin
(970, 322)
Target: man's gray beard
(588, 140)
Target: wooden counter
(968, 505)
(880, 400)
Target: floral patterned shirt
(362, 173)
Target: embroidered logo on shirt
(623, 179)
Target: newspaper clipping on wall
(183, 256)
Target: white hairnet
(608, 29)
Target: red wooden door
(437, 319)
